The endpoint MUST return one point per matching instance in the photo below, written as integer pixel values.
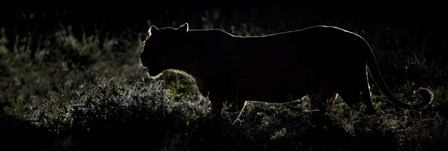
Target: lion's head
(161, 44)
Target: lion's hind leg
(353, 96)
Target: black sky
(426, 16)
(82, 10)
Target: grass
(77, 92)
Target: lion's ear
(152, 29)
(183, 27)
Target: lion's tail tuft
(427, 95)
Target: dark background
(415, 24)
(412, 22)
(135, 14)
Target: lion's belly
(277, 82)
(273, 78)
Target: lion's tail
(376, 76)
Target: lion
(280, 67)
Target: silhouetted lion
(280, 67)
